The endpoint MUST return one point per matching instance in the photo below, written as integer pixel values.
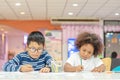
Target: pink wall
(16, 43)
(13, 43)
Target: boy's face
(35, 49)
(86, 51)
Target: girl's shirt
(88, 64)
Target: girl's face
(35, 49)
(86, 51)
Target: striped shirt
(24, 58)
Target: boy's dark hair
(36, 36)
(90, 38)
(114, 54)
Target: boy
(35, 58)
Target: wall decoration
(53, 43)
(71, 47)
(112, 43)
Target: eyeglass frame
(35, 49)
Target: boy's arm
(12, 65)
(48, 60)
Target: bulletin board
(112, 43)
(53, 43)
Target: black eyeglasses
(33, 50)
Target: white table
(59, 76)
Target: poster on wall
(71, 47)
(53, 44)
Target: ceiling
(46, 9)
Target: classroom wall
(3, 55)
(16, 43)
(30, 25)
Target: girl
(89, 46)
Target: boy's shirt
(24, 58)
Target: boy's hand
(26, 68)
(79, 68)
(45, 70)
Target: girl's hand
(101, 68)
(45, 70)
(79, 68)
(96, 69)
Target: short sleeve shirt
(88, 64)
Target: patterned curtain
(71, 31)
(112, 28)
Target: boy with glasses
(35, 58)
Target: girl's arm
(69, 68)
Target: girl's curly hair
(90, 38)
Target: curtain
(71, 31)
(112, 28)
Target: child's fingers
(42, 70)
(97, 70)
(29, 69)
(79, 68)
(100, 70)
(26, 68)
(94, 70)
(45, 70)
(82, 67)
